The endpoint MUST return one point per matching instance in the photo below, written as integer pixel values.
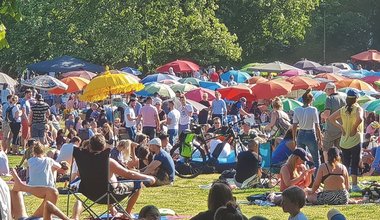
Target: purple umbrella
(327, 69)
(306, 64)
(291, 73)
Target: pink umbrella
(371, 79)
(80, 73)
(290, 73)
(169, 82)
(196, 94)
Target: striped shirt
(39, 112)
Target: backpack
(373, 191)
(187, 147)
(9, 116)
(283, 124)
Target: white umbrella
(198, 106)
(44, 82)
(4, 78)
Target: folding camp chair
(95, 185)
(265, 151)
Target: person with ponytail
(309, 134)
(352, 129)
(334, 177)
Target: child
(293, 199)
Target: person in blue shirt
(237, 108)
(284, 149)
(218, 107)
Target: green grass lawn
(186, 198)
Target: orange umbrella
(369, 55)
(74, 84)
(271, 89)
(302, 82)
(354, 83)
(257, 79)
(234, 93)
(331, 76)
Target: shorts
(124, 188)
(38, 131)
(327, 144)
(24, 129)
(338, 197)
(6, 130)
(162, 178)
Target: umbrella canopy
(306, 64)
(4, 78)
(370, 106)
(131, 70)
(271, 89)
(369, 55)
(196, 94)
(343, 66)
(276, 67)
(190, 80)
(354, 83)
(239, 77)
(80, 73)
(290, 104)
(322, 83)
(371, 79)
(169, 82)
(319, 100)
(179, 66)
(125, 73)
(210, 85)
(327, 69)
(108, 84)
(198, 106)
(291, 73)
(234, 93)
(257, 79)
(75, 84)
(44, 82)
(246, 67)
(155, 87)
(352, 75)
(302, 82)
(183, 88)
(330, 76)
(64, 64)
(158, 77)
(364, 99)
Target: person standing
(130, 119)
(172, 121)
(309, 134)
(5, 125)
(14, 119)
(38, 119)
(149, 117)
(352, 129)
(186, 112)
(5, 92)
(203, 114)
(332, 134)
(218, 107)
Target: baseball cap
(243, 99)
(330, 85)
(301, 153)
(352, 93)
(334, 214)
(155, 141)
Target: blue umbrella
(131, 71)
(239, 77)
(353, 75)
(158, 77)
(210, 85)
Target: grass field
(186, 198)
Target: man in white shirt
(172, 122)
(5, 92)
(186, 111)
(130, 119)
(66, 152)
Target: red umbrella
(234, 93)
(74, 84)
(302, 82)
(271, 89)
(196, 94)
(331, 76)
(179, 66)
(369, 55)
(371, 79)
(290, 73)
(257, 79)
(80, 73)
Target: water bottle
(366, 198)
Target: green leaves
(7, 8)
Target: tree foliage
(7, 8)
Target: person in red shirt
(214, 76)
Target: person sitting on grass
(124, 154)
(149, 212)
(230, 211)
(293, 199)
(284, 149)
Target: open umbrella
(131, 70)
(179, 66)
(370, 106)
(302, 82)
(306, 64)
(354, 83)
(371, 79)
(169, 82)
(75, 84)
(183, 88)
(369, 55)
(234, 93)
(290, 104)
(4, 78)
(246, 67)
(343, 66)
(257, 79)
(198, 106)
(353, 75)
(196, 94)
(210, 85)
(364, 99)
(322, 83)
(158, 77)
(276, 67)
(125, 73)
(290, 73)
(109, 84)
(271, 89)
(44, 82)
(330, 76)
(327, 69)
(190, 80)
(80, 73)
(155, 87)
(239, 77)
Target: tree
(7, 8)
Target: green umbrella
(162, 90)
(364, 99)
(290, 104)
(319, 100)
(190, 80)
(371, 105)
(183, 88)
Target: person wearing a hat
(334, 214)
(372, 127)
(352, 129)
(294, 171)
(334, 102)
(162, 166)
(38, 119)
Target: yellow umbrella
(109, 84)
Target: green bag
(187, 147)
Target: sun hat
(301, 153)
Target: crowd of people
(141, 132)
